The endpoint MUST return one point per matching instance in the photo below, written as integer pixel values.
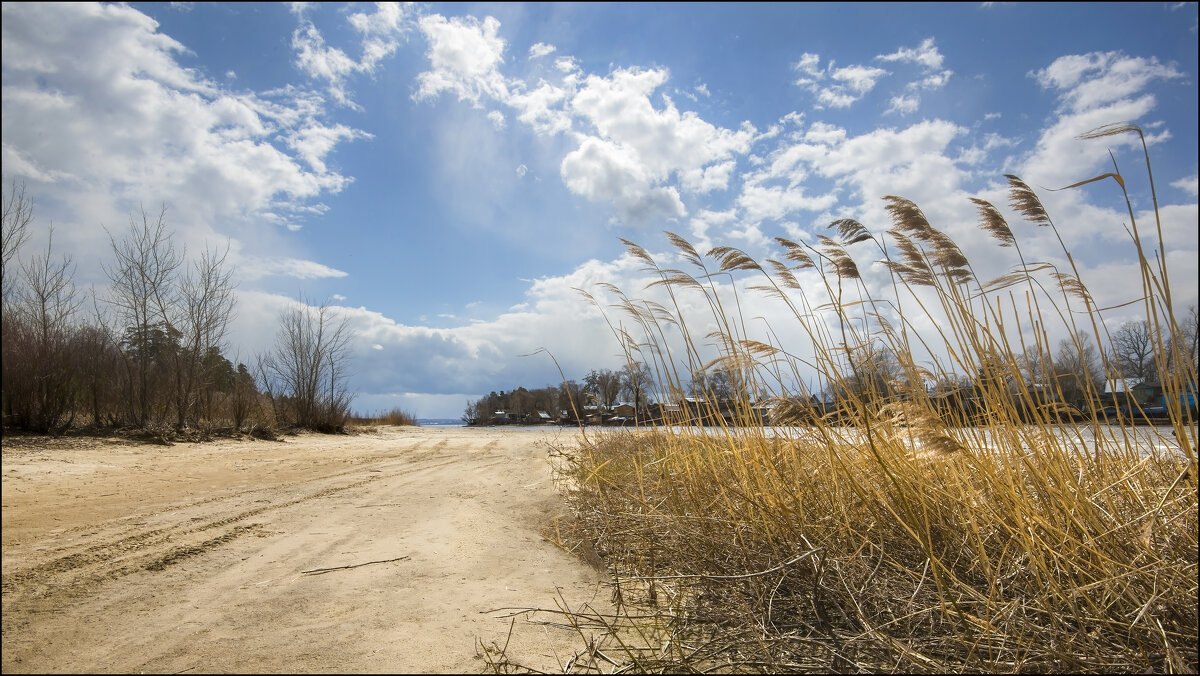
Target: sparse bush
(305, 374)
(397, 417)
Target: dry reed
(904, 530)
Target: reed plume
(918, 500)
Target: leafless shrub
(306, 372)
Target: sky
(448, 176)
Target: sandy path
(127, 558)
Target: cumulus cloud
(664, 142)
(464, 55)
(932, 77)
(903, 104)
(1187, 184)
(543, 108)
(1090, 81)
(313, 142)
(381, 32)
(540, 49)
(835, 87)
(604, 171)
(1093, 90)
(477, 356)
(926, 55)
(635, 152)
(131, 126)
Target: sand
(126, 558)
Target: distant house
(1149, 395)
(761, 411)
(505, 418)
(665, 413)
(624, 410)
(593, 415)
(1125, 390)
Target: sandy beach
(391, 551)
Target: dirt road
(127, 558)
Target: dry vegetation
(146, 355)
(897, 535)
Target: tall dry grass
(902, 534)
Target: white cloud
(927, 55)
(809, 66)
(464, 55)
(381, 33)
(860, 79)
(321, 62)
(133, 127)
(487, 354)
(256, 267)
(930, 60)
(634, 155)
(849, 84)
(825, 134)
(1088, 81)
(904, 104)
(664, 142)
(759, 202)
(1187, 184)
(314, 142)
(497, 119)
(704, 221)
(604, 171)
(566, 64)
(1094, 90)
(542, 109)
(540, 49)
(522, 170)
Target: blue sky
(448, 174)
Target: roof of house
(1119, 385)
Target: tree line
(1076, 373)
(600, 389)
(150, 351)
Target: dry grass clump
(1001, 529)
(816, 552)
(395, 417)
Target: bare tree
(200, 318)
(1034, 366)
(636, 381)
(605, 385)
(98, 362)
(17, 214)
(39, 370)
(716, 384)
(871, 373)
(309, 365)
(1133, 350)
(1186, 342)
(1078, 358)
(142, 284)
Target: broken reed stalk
(901, 529)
